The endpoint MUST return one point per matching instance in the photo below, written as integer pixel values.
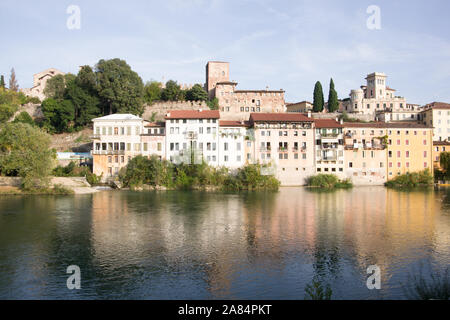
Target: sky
(285, 45)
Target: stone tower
(216, 71)
(376, 85)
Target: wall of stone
(360, 117)
(163, 107)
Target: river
(200, 245)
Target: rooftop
(226, 123)
(441, 143)
(193, 114)
(437, 105)
(327, 123)
(118, 116)
(279, 117)
(387, 125)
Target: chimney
(267, 88)
(342, 121)
(309, 114)
(200, 110)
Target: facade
(39, 83)
(437, 115)
(329, 147)
(374, 97)
(192, 136)
(238, 104)
(232, 139)
(153, 139)
(116, 139)
(302, 107)
(365, 153)
(438, 148)
(284, 142)
(403, 115)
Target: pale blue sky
(282, 44)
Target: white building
(329, 147)
(192, 135)
(374, 97)
(232, 143)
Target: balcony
(95, 136)
(108, 152)
(283, 149)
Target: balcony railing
(108, 152)
(94, 136)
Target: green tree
(59, 115)
(172, 92)
(86, 106)
(444, 161)
(9, 103)
(152, 91)
(55, 87)
(2, 81)
(13, 85)
(318, 98)
(24, 117)
(119, 87)
(213, 104)
(333, 102)
(25, 152)
(196, 93)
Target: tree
(444, 161)
(24, 117)
(213, 104)
(196, 93)
(172, 92)
(59, 115)
(120, 88)
(2, 81)
(318, 98)
(333, 102)
(26, 153)
(152, 91)
(13, 85)
(55, 87)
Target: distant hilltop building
(40, 81)
(238, 104)
(374, 97)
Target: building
(232, 138)
(302, 107)
(192, 136)
(238, 104)
(438, 148)
(40, 82)
(374, 97)
(410, 148)
(365, 153)
(153, 139)
(329, 147)
(437, 115)
(284, 142)
(116, 140)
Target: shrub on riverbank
(328, 181)
(72, 170)
(161, 173)
(411, 180)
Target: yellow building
(437, 115)
(410, 148)
(438, 148)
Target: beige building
(374, 97)
(437, 115)
(438, 148)
(365, 153)
(302, 107)
(329, 147)
(239, 104)
(40, 81)
(285, 143)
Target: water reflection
(175, 245)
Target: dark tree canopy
(120, 89)
(2, 81)
(333, 102)
(196, 93)
(152, 92)
(172, 92)
(318, 98)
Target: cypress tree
(333, 103)
(318, 98)
(13, 86)
(2, 82)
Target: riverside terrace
(294, 146)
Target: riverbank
(58, 185)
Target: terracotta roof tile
(226, 123)
(327, 123)
(279, 117)
(193, 114)
(438, 105)
(386, 125)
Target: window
(159, 146)
(145, 146)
